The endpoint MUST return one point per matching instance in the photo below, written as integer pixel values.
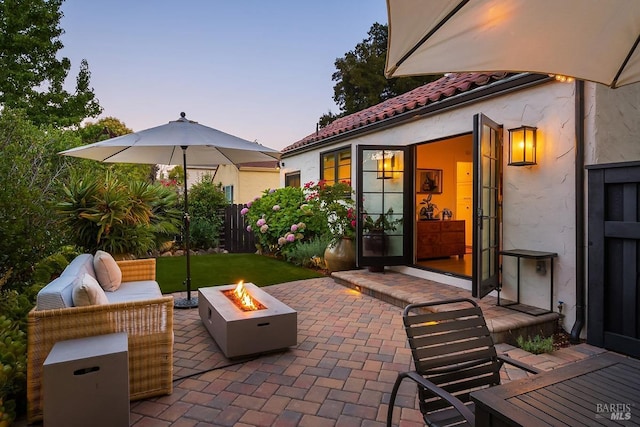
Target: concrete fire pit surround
(241, 333)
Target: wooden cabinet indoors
(437, 239)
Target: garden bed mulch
(561, 340)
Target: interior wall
(443, 155)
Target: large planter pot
(375, 243)
(341, 255)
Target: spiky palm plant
(120, 218)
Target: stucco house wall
(195, 174)
(247, 181)
(612, 124)
(539, 210)
(539, 202)
(227, 175)
(308, 164)
(254, 181)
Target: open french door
(487, 200)
(383, 198)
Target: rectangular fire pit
(240, 333)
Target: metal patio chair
(453, 354)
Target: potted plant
(374, 238)
(428, 211)
(338, 206)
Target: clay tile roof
(447, 86)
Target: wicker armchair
(148, 324)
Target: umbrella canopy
(163, 145)
(595, 40)
(179, 142)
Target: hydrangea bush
(289, 216)
(282, 216)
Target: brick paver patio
(350, 348)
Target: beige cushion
(87, 291)
(107, 271)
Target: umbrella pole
(188, 302)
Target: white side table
(86, 382)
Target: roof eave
(481, 93)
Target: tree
(206, 199)
(108, 127)
(327, 118)
(111, 127)
(360, 77)
(32, 75)
(31, 172)
(177, 174)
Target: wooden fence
(236, 238)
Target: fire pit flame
(243, 296)
(243, 299)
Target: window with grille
(292, 179)
(228, 193)
(335, 166)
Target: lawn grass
(225, 269)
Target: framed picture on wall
(429, 181)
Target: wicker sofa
(137, 308)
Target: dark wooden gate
(614, 257)
(236, 237)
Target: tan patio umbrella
(594, 40)
(178, 142)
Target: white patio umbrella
(182, 142)
(594, 40)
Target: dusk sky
(260, 70)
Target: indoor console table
(535, 255)
(439, 239)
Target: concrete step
(400, 290)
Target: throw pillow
(87, 291)
(107, 271)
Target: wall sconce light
(522, 146)
(386, 164)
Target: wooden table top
(601, 390)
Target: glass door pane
(382, 228)
(487, 172)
